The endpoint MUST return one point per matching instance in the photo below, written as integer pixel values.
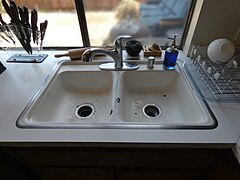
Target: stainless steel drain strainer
(151, 111)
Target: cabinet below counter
(119, 163)
(236, 150)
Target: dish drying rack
(215, 81)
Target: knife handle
(15, 17)
(34, 27)
(43, 27)
(26, 14)
(22, 16)
(13, 4)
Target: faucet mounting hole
(151, 111)
(118, 100)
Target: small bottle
(150, 62)
(171, 54)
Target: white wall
(214, 19)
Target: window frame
(82, 22)
(187, 23)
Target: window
(149, 21)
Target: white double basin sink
(79, 95)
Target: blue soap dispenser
(171, 55)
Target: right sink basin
(160, 98)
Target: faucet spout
(115, 53)
(89, 54)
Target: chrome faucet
(116, 54)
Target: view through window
(149, 21)
(63, 26)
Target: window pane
(63, 27)
(149, 21)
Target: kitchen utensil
(25, 24)
(43, 27)
(26, 15)
(22, 16)
(18, 30)
(76, 54)
(13, 4)
(220, 50)
(34, 19)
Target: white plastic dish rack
(213, 81)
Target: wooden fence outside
(66, 4)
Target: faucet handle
(118, 41)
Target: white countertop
(21, 81)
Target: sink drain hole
(151, 111)
(84, 111)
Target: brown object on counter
(76, 54)
(152, 50)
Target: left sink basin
(72, 94)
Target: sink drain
(151, 111)
(84, 111)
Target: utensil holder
(28, 39)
